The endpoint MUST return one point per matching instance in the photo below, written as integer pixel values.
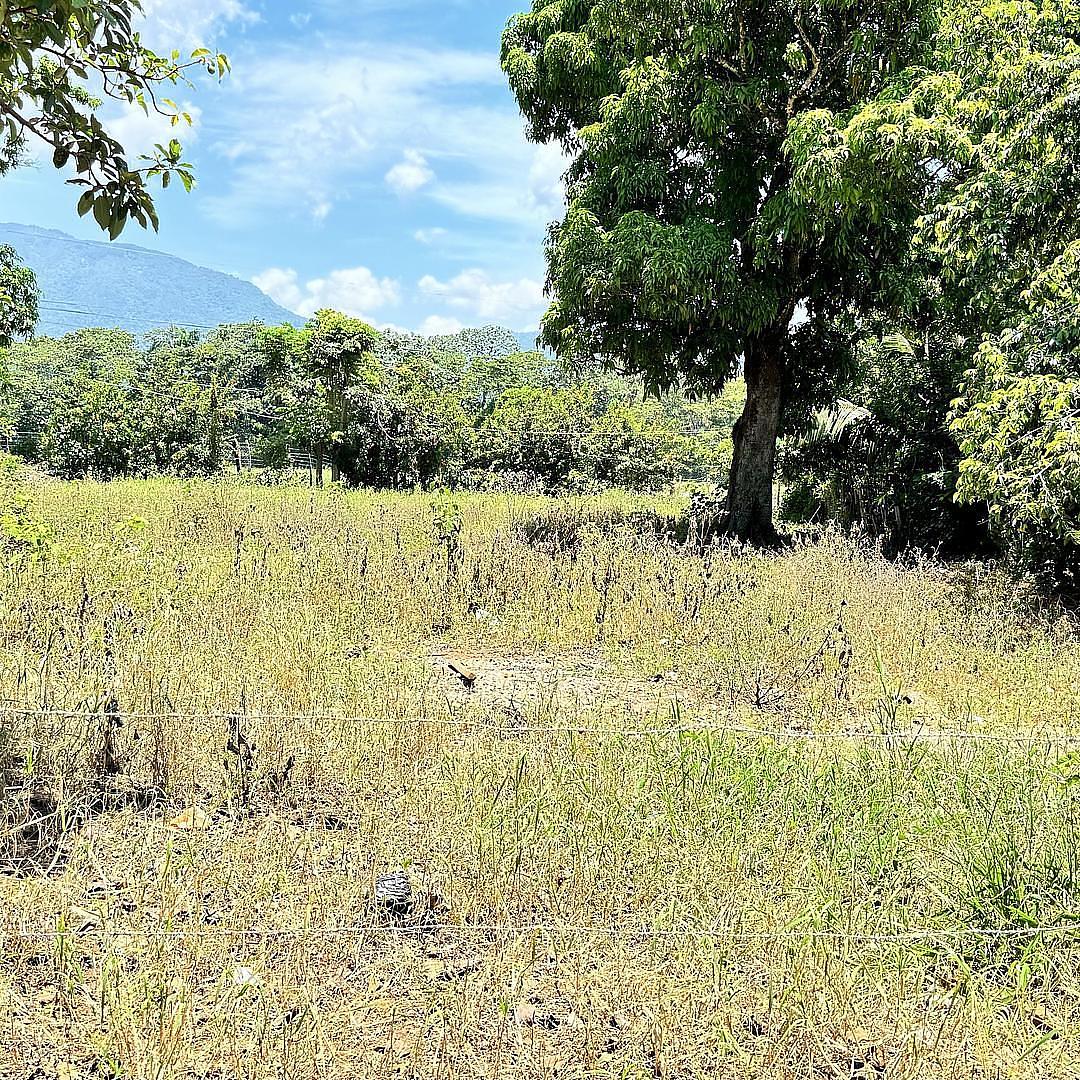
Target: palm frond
(832, 424)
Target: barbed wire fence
(924, 734)
(317, 960)
(727, 934)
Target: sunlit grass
(708, 844)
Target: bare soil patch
(578, 682)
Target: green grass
(731, 833)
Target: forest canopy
(379, 409)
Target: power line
(65, 310)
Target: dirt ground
(576, 683)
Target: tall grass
(768, 815)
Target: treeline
(387, 410)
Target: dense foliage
(685, 254)
(385, 410)
(316, 373)
(18, 297)
(980, 144)
(883, 460)
(55, 57)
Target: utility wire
(163, 323)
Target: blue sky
(364, 155)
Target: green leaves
(52, 52)
(687, 239)
(103, 211)
(1017, 418)
(18, 298)
(977, 145)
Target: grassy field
(700, 814)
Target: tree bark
(339, 409)
(750, 492)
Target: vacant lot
(665, 812)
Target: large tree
(684, 254)
(315, 372)
(56, 58)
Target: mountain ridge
(90, 283)
(86, 283)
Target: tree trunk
(339, 409)
(750, 494)
(318, 466)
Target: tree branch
(814, 70)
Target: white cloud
(508, 181)
(319, 118)
(410, 174)
(510, 303)
(429, 236)
(235, 150)
(321, 211)
(281, 286)
(434, 325)
(188, 24)
(546, 190)
(138, 132)
(271, 173)
(356, 291)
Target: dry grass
(608, 881)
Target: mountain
(90, 283)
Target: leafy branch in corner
(51, 52)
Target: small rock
(245, 977)
(393, 892)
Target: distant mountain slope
(92, 283)
(87, 283)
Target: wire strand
(738, 730)
(578, 930)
